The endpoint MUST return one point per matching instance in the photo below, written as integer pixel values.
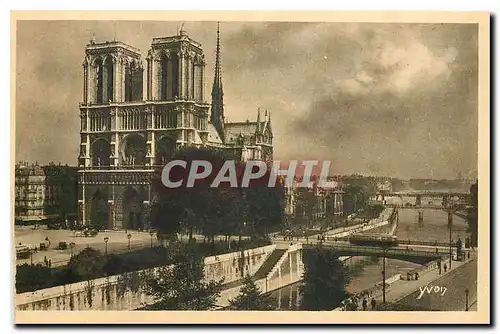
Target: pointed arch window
(100, 74)
(164, 76)
(108, 80)
(175, 76)
(128, 81)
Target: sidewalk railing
(355, 302)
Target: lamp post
(106, 239)
(128, 237)
(466, 299)
(383, 275)
(450, 223)
(71, 246)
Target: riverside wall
(123, 292)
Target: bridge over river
(416, 255)
(422, 236)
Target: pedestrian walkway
(402, 288)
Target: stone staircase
(269, 264)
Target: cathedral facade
(127, 135)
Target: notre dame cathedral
(126, 137)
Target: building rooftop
(182, 36)
(235, 129)
(213, 135)
(96, 46)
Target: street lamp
(383, 275)
(466, 299)
(450, 223)
(106, 239)
(128, 237)
(151, 233)
(71, 246)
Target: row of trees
(472, 214)
(182, 286)
(213, 211)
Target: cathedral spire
(258, 120)
(217, 118)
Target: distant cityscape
(108, 234)
(49, 194)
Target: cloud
(395, 99)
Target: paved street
(118, 242)
(453, 299)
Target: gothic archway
(101, 151)
(165, 149)
(166, 70)
(98, 65)
(130, 69)
(99, 209)
(133, 151)
(108, 79)
(132, 209)
(173, 80)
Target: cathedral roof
(234, 130)
(197, 139)
(213, 135)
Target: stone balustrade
(123, 292)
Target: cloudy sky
(381, 99)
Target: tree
(188, 207)
(215, 210)
(88, 264)
(182, 286)
(252, 299)
(355, 198)
(265, 207)
(472, 214)
(325, 278)
(32, 277)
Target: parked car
(44, 246)
(23, 251)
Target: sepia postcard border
(481, 316)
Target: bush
(251, 298)
(62, 245)
(30, 277)
(87, 264)
(91, 263)
(115, 265)
(26, 222)
(54, 225)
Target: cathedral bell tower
(112, 73)
(176, 67)
(175, 80)
(113, 171)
